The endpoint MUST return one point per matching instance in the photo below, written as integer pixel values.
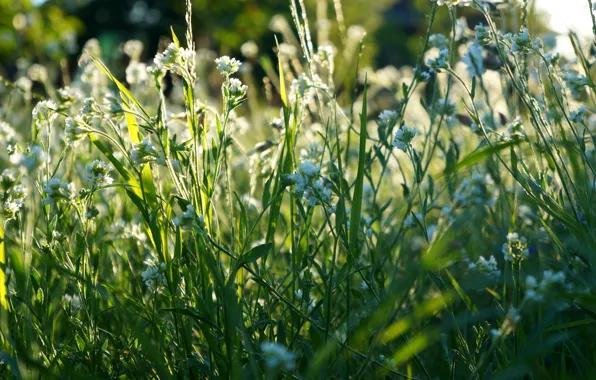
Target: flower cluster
(12, 195)
(403, 137)
(143, 152)
(227, 66)
(309, 185)
(154, 275)
(74, 129)
(278, 357)
(440, 62)
(490, 266)
(516, 130)
(474, 60)
(516, 247)
(536, 291)
(97, 173)
(56, 191)
(477, 190)
(176, 59)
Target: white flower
(8, 137)
(44, 112)
(236, 89)
(474, 60)
(227, 66)
(438, 41)
(403, 137)
(73, 129)
(73, 300)
(440, 62)
(154, 275)
(30, 159)
(516, 247)
(56, 191)
(490, 266)
(387, 118)
(97, 173)
(277, 356)
(453, 3)
(176, 59)
(136, 73)
(577, 116)
(133, 48)
(143, 152)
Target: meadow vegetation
(191, 219)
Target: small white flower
(97, 173)
(440, 62)
(227, 66)
(143, 152)
(403, 137)
(278, 357)
(56, 191)
(474, 60)
(577, 116)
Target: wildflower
(154, 275)
(298, 294)
(577, 116)
(73, 130)
(387, 119)
(438, 41)
(175, 59)
(312, 152)
(516, 247)
(277, 356)
(575, 82)
(69, 94)
(446, 108)
(521, 42)
(236, 89)
(227, 66)
(421, 75)
(489, 266)
(309, 186)
(474, 60)
(133, 49)
(74, 301)
(189, 219)
(536, 291)
(56, 191)
(482, 35)
(143, 152)
(301, 86)
(363, 285)
(97, 173)
(325, 55)
(440, 62)
(136, 73)
(453, 3)
(477, 190)
(516, 129)
(403, 137)
(44, 113)
(30, 159)
(8, 137)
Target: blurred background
(52, 32)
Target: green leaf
(481, 154)
(257, 252)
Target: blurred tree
(35, 34)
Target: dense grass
(330, 222)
